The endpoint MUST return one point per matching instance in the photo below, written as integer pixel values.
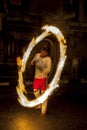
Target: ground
(65, 112)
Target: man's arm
(33, 60)
(49, 66)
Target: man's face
(44, 53)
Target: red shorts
(39, 83)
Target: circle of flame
(23, 100)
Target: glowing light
(54, 83)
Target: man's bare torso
(42, 66)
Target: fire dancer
(43, 64)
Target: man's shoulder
(48, 58)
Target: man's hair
(46, 48)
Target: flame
(23, 100)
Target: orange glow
(23, 100)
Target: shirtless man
(43, 64)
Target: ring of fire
(23, 100)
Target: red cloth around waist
(39, 83)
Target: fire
(23, 100)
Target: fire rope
(23, 100)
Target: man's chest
(41, 61)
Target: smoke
(60, 20)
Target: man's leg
(44, 106)
(37, 94)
